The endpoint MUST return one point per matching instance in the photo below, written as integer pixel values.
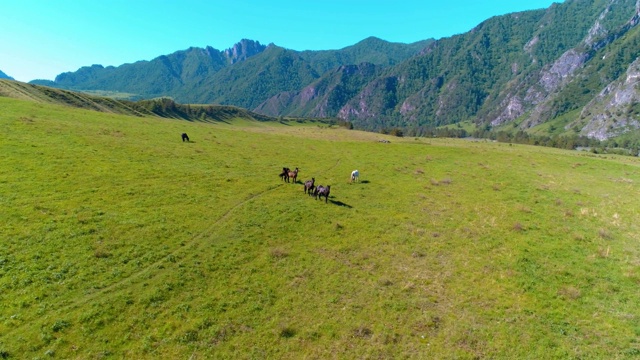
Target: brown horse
(292, 175)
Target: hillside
(324, 97)
(162, 107)
(523, 69)
(245, 75)
(370, 50)
(121, 241)
(163, 76)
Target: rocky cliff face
(536, 103)
(539, 95)
(614, 110)
(243, 50)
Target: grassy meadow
(118, 240)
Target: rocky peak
(243, 50)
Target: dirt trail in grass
(188, 246)
(191, 243)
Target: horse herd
(310, 187)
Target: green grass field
(118, 240)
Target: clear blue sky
(40, 39)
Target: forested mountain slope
(570, 68)
(245, 75)
(525, 68)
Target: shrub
(60, 325)
(397, 132)
(287, 332)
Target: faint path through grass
(187, 246)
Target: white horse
(355, 176)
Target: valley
(122, 241)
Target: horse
(284, 174)
(308, 186)
(355, 175)
(292, 175)
(322, 191)
(185, 137)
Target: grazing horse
(322, 191)
(292, 175)
(285, 174)
(355, 175)
(185, 137)
(308, 186)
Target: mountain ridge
(516, 71)
(208, 75)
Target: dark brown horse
(292, 175)
(308, 186)
(322, 191)
(285, 174)
(185, 137)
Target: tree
(397, 132)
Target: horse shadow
(340, 203)
(364, 182)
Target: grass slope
(161, 107)
(120, 241)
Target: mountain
(165, 75)
(248, 83)
(370, 50)
(245, 75)
(566, 70)
(571, 67)
(325, 96)
(525, 69)
(5, 76)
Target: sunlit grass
(119, 240)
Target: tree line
(627, 146)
